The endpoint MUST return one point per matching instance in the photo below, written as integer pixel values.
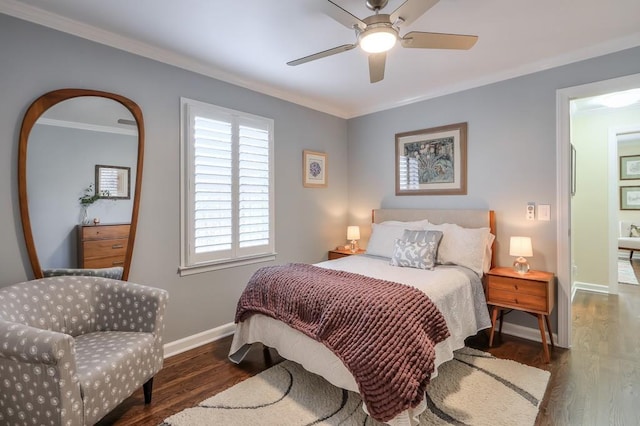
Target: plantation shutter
(229, 199)
(213, 174)
(254, 211)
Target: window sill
(215, 266)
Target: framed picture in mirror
(113, 182)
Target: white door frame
(563, 195)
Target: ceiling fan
(378, 33)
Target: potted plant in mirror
(89, 197)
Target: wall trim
(593, 288)
(563, 196)
(190, 342)
(39, 16)
(526, 333)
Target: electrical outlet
(531, 211)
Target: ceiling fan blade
(411, 10)
(420, 40)
(323, 54)
(376, 66)
(341, 15)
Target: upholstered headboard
(464, 218)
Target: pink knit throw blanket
(384, 332)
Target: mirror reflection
(113, 182)
(80, 209)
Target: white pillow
(488, 253)
(384, 235)
(463, 246)
(416, 224)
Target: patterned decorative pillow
(421, 255)
(384, 234)
(634, 231)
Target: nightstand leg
(494, 318)
(545, 348)
(546, 318)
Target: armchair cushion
(111, 366)
(72, 348)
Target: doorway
(566, 276)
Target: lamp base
(521, 266)
(354, 246)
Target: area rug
(472, 389)
(625, 272)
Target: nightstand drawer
(517, 300)
(533, 288)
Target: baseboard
(182, 345)
(594, 288)
(526, 332)
(190, 342)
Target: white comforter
(457, 292)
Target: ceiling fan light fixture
(378, 40)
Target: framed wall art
(629, 167)
(432, 161)
(314, 169)
(630, 198)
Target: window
(227, 188)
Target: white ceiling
(248, 42)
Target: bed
(454, 285)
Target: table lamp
(353, 235)
(520, 247)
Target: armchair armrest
(23, 343)
(34, 360)
(125, 306)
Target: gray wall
(36, 60)
(511, 152)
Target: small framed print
(630, 198)
(314, 169)
(629, 167)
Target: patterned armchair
(72, 348)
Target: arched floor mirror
(79, 176)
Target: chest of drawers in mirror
(102, 246)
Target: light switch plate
(531, 211)
(544, 212)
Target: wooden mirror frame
(39, 107)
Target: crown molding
(594, 51)
(85, 126)
(38, 16)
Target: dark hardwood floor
(597, 382)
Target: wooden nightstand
(338, 253)
(533, 292)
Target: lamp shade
(353, 233)
(520, 246)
